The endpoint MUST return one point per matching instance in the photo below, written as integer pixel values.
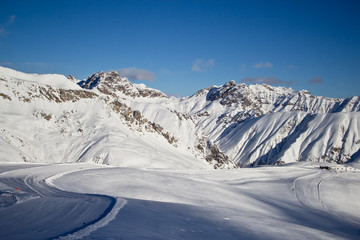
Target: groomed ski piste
(90, 201)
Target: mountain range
(107, 119)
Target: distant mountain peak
(101, 77)
(111, 83)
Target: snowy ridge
(267, 99)
(111, 121)
(54, 80)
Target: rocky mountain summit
(112, 83)
(107, 119)
(265, 99)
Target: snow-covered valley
(104, 158)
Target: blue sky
(180, 47)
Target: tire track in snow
(110, 213)
(297, 193)
(328, 175)
(307, 189)
(323, 177)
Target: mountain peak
(101, 77)
(111, 83)
(230, 84)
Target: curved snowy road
(42, 211)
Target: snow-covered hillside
(42, 123)
(109, 120)
(260, 124)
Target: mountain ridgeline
(106, 119)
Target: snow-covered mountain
(107, 119)
(42, 122)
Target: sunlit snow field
(88, 201)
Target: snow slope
(260, 124)
(45, 124)
(87, 201)
(54, 80)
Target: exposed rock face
(223, 92)
(72, 78)
(108, 83)
(111, 83)
(217, 157)
(35, 91)
(135, 118)
(4, 96)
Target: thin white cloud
(196, 66)
(2, 31)
(316, 80)
(4, 26)
(11, 20)
(290, 67)
(201, 65)
(243, 67)
(165, 71)
(267, 80)
(137, 74)
(263, 65)
(35, 63)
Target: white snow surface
(87, 201)
(54, 80)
